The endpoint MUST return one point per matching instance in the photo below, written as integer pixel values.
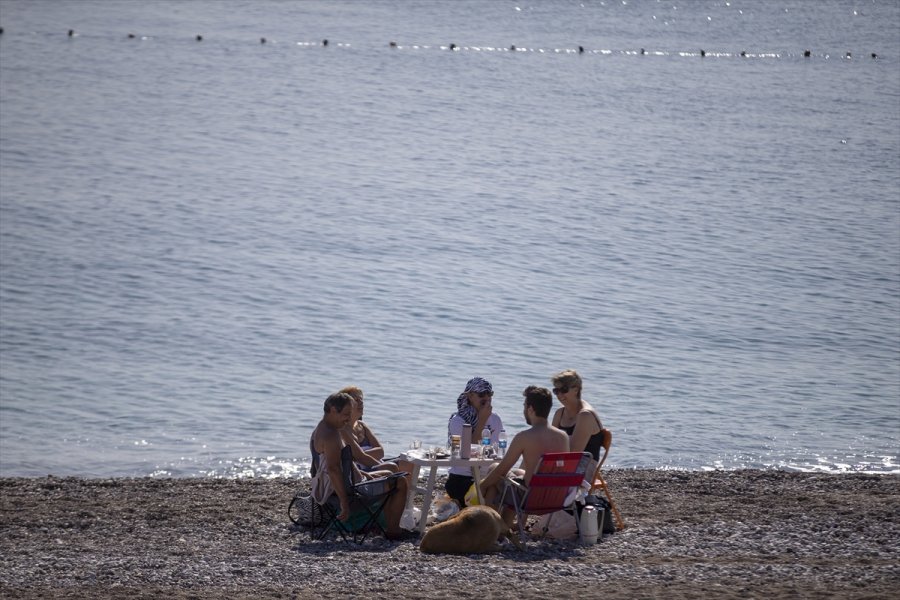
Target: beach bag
(472, 496)
(304, 511)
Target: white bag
(558, 525)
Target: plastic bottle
(501, 443)
(486, 449)
(465, 449)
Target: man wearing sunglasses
(473, 408)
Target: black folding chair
(367, 498)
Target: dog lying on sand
(474, 530)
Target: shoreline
(727, 534)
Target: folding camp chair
(367, 501)
(550, 489)
(600, 484)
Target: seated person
(473, 407)
(529, 444)
(367, 441)
(328, 445)
(576, 417)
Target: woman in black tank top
(576, 417)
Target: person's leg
(492, 494)
(457, 486)
(404, 466)
(393, 510)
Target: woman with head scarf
(473, 408)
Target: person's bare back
(529, 445)
(539, 440)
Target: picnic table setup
(434, 459)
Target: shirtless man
(529, 445)
(329, 444)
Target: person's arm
(376, 451)
(484, 413)
(497, 424)
(515, 450)
(332, 448)
(359, 455)
(455, 426)
(586, 425)
(557, 417)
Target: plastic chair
(550, 488)
(600, 484)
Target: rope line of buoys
(453, 47)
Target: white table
(433, 464)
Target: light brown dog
(474, 530)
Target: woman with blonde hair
(576, 417)
(363, 435)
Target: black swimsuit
(594, 443)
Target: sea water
(201, 239)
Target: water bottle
(501, 442)
(486, 443)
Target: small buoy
(580, 49)
(262, 40)
(199, 38)
(806, 54)
(848, 55)
(702, 53)
(324, 42)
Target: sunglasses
(484, 394)
(561, 390)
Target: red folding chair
(550, 489)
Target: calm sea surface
(200, 240)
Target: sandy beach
(743, 534)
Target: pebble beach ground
(738, 534)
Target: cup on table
(455, 443)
